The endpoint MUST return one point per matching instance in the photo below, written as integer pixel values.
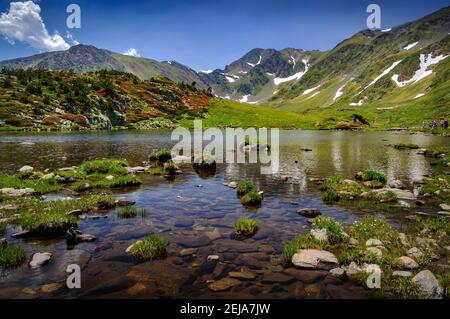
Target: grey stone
(224, 284)
(374, 242)
(400, 273)
(314, 259)
(320, 234)
(414, 253)
(17, 192)
(26, 169)
(405, 262)
(337, 272)
(40, 259)
(309, 212)
(428, 284)
(375, 250)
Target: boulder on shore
(315, 259)
(428, 284)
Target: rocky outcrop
(314, 259)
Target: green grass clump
(2, 228)
(109, 166)
(401, 288)
(131, 212)
(439, 183)
(149, 248)
(403, 146)
(245, 187)
(252, 199)
(303, 241)
(157, 171)
(335, 231)
(372, 175)
(11, 256)
(171, 168)
(369, 227)
(50, 218)
(40, 186)
(245, 227)
(161, 156)
(124, 181)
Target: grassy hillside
(224, 113)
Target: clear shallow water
(184, 213)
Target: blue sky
(208, 34)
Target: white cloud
(71, 38)
(132, 52)
(24, 23)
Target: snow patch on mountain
(258, 63)
(423, 72)
(293, 61)
(206, 71)
(311, 90)
(410, 46)
(339, 92)
(296, 76)
(244, 99)
(389, 69)
(386, 30)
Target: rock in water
(40, 259)
(428, 284)
(243, 274)
(314, 259)
(396, 184)
(224, 284)
(309, 212)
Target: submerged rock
(337, 272)
(224, 284)
(396, 184)
(122, 202)
(40, 259)
(188, 252)
(50, 288)
(314, 259)
(231, 184)
(428, 284)
(243, 274)
(309, 212)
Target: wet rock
(76, 212)
(235, 246)
(137, 289)
(277, 278)
(243, 274)
(306, 276)
(337, 272)
(69, 192)
(29, 291)
(122, 202)
(213, 258)
(188, 252)
(213, 235)
(194, 242)
(373, 184)
(402, 194)
(26, 169)
(74, 236)
(428, 284)
(373, 243)
(399, 273)
(405, 262)
(220, 270)
(231, 184)
(414, 253)
(314, 259)
(309, 212)
(130, 248)
(224, 284)
(50, 288)
(250, 261)
(40, 259)
(420, 202)
(396, 184)
(375, 251)
(86, 238)
(184, 223)
(17, 192)
(22, 234)
(320, 234)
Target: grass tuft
(245, 227)
(149, 248)
(11, 256)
